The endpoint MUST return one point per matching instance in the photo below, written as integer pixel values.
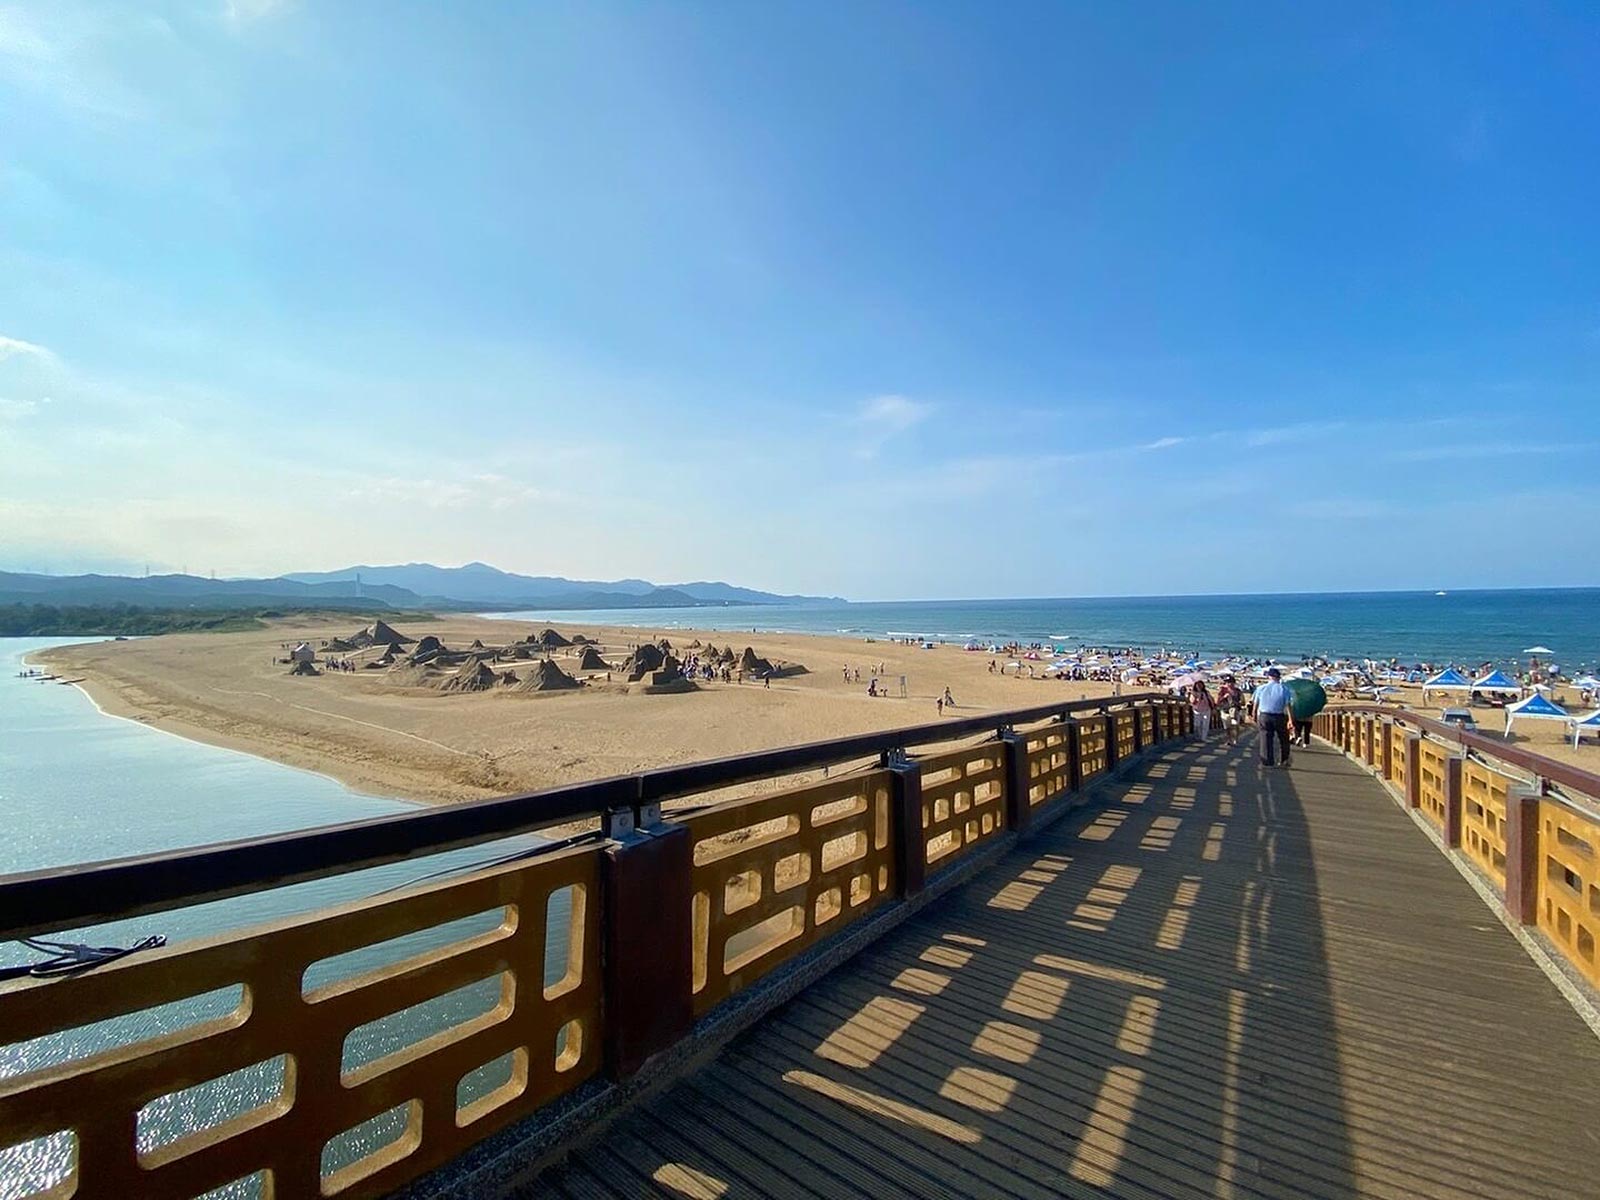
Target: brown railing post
(1074, 755)
(905, 801)
(1452, 800)
(1138, 731)
(648, 941)
(1522, 855)
(1386, 748)
(1111, 739)
(1019, 813)
(1413, 770)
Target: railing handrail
(1552, 770)
(56, 898)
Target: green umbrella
(1306, 698)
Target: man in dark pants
(1271, 702)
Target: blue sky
(878, 300)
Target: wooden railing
(273, 1061)
(1529, 824)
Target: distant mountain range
(474, 587)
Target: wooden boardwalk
(1225, 982)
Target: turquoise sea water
(1467, 627)
(77, 786)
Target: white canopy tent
(1589, 724)
(1538, 706)
(1448, 680)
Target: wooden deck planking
(1224, 982)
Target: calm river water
(77, 785)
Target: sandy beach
(379, 737)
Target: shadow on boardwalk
(1224, 982)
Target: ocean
(1464, 627)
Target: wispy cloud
(494, 492)
(243, 12)
(1487, 449)
(1163, 443)
(16, 410)
(11, 347)
(883, 417)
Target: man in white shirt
(1271, 702)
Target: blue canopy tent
(1589, 724)
(1447, 680)
(1536, 705)
(1495, 681)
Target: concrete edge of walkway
(1577, 991)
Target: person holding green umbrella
(1306, 700)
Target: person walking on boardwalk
(1200, 701)
(1229, 702)
(1271, 702)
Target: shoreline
(107, 700)
(420, 746)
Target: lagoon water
(77, 785)
(1467, 627)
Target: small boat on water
(1441, 593)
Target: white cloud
(883, 417)
(892, 413)
(1164, 443)
(16, 410)
(11, 347)
(242, 12)
(495, 492)
(1486, 449)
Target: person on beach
(1271, 703)
(1200, 701)
(949, 700)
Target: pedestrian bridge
(1075, 954)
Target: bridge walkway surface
(1222, 981)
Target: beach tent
(1536, 705)
(1447, 680)
(1537, 650)
(1495, 681)
(1588, 724)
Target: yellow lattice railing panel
(359, 1077)
(1049, 764)
(963, 800)
(1431, 757)
(1483, 817)
(774, 874)
(1147, 725)
(1091, 746)
(1397, 754)
(1123, 720)
(1569, 884)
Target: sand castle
(545, 676)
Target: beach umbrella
(1586, 683)
(1187, 680)
(1130, 675)
(1306, 698)
(1538, 650)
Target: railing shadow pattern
(1224, 982)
